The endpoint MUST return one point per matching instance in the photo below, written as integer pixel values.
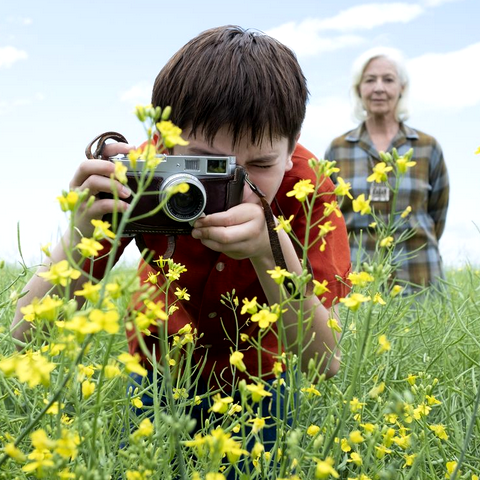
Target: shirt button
(212, 314)
(220, 266)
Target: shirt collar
(360, 133)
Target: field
(402, 406)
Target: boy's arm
(94, 175)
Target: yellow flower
(356, 437)
(385, 345)
(354, 300)
(403, 164)
(345, 446)
(477, 151)
(431, 400)
(312, 430)
(136, 402)
(386, 242)
(382, 450)
(356, 405)
(377, 390)
(249, 306)
(215, 476)
(112, 371)
(236, 359)
(171, 134)
(60, 274)
(120, 172)
(325, 468)
(333, 325)
(356, 459)
(361, 205)
(68, 201)
(380, 171)
(102, 230)
(411, 379)
(395, 290)
(220, 404)
(284, 224)
(132, 364)
(377, 298)
(301, 190)
(421, 411)
(13, 452)
(311, 390)
(145, 429)
(87, 389)
(90, 292)
(368, 427)
(67, 444)
(182, 294)
(451, 466)
(89, 247)
(343, 188)
(258, 423)
(409, 459)
(326, 228)
(332, 208)
(360, 279)
(264, 318)
(31, 368)
(107, 321)
(372, 225)
(279, 275)
(277, 369)
(320, 288)
(258, 391)
(406, 212)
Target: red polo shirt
(210, 274)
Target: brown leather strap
(101, 139)
(269, 218)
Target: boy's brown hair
(240, 79)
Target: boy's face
(266, 163)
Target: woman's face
(380, 88)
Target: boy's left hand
(239, 232)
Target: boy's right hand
(96, 176)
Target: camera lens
(188, 206)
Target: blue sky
(70, 70)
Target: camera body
(215, 185)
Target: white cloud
(445, 80)
(139, 94)
(306, 38)
(371, 15)
(437, 3)
(10, 55)
(327, 118)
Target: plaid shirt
(424, 187)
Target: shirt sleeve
(440, 190)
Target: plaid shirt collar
(361, 136)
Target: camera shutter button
(220, 266)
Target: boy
(240, 93)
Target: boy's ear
(289, 164)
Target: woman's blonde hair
(396, 58)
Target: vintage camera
(215, 185)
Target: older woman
(379, 88)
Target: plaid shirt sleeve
(439, 194)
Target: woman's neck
(382, 131)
